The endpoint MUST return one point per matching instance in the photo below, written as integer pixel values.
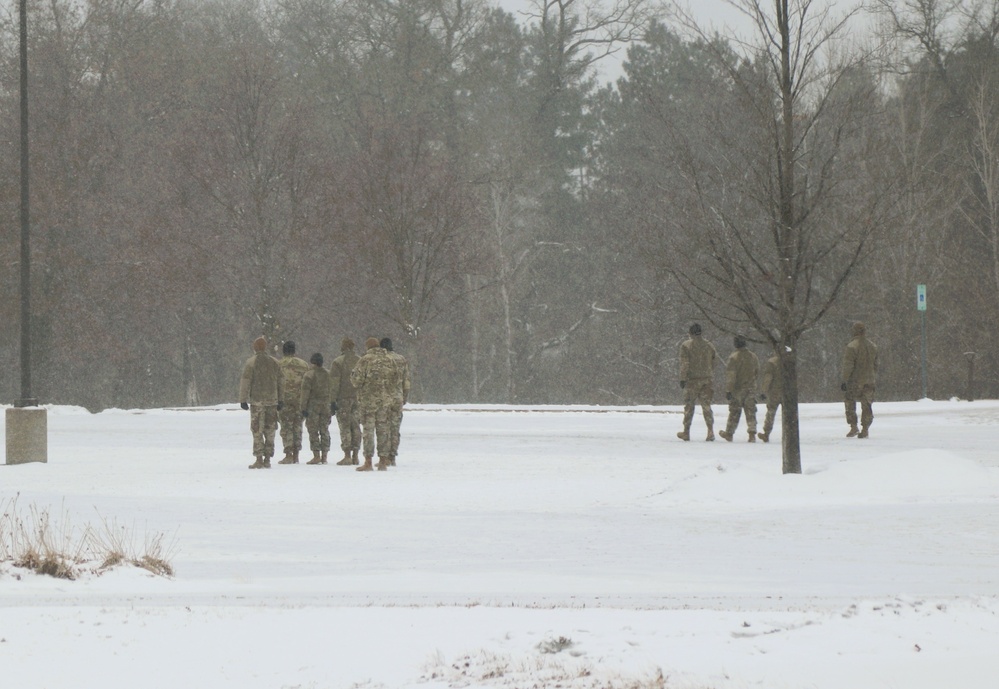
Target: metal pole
(26, 399)
(971, 375)
(26, 429)
(923, 319)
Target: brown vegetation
(452, 176)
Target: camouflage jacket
(376, 378)
(317, 390)
(340, 370)
(698, 358)
(293, 370)
(402, 392)
(773, 382)
(741, 371)
(860, 362)
(261, 380)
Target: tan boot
(853, 431)
(346, 461)
(316, 459)
(383, 464)
(765, 437)
(258, 464)
(289, 458)
(711, 434)
(366, 466)
(324, 457)
(353, 457)
(267, 463)
(752, 436)
(726, 435)
(684, 435)
(863, 432)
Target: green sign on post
(921, 306)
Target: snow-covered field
(571, 547)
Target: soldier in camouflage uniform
(376, 378)
(293, 370)
(345, 402)
(860, 372)
(772, 393)
(260, 393)
(316, 402)
(741, 371)
(698, 358)
(398, 401)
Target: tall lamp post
(27, 423)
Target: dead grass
(544, 669)
(31, 539)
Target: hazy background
(525, 228)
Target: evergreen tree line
(458, 178)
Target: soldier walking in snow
(260, 393)
(345, 402)
(860, 372)
(398, 400)
(772, 393)
(293, 370)
(697, 363)
(741, 372)
(376, 378)
(316, 403)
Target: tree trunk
(788, 248)
(790, 438)
(191, 398)
(474, 335)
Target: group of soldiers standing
(365, 393)
(698, 358)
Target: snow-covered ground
(512, 547)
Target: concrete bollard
(27, 435)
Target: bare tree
(257, 173)
(505, 180)
(786, 207)
(929, 195)
(983, 210)
(949, 50)
(567, 39)
(530, 170)
(511, 253)
(580, 33)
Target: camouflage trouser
(263, 425)
(742, 401)
(375, 422)
(395, 422)
(318, 425)
(864, 395)
(348, 419)
(768, 420)
(291, 428)
(698, 390)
